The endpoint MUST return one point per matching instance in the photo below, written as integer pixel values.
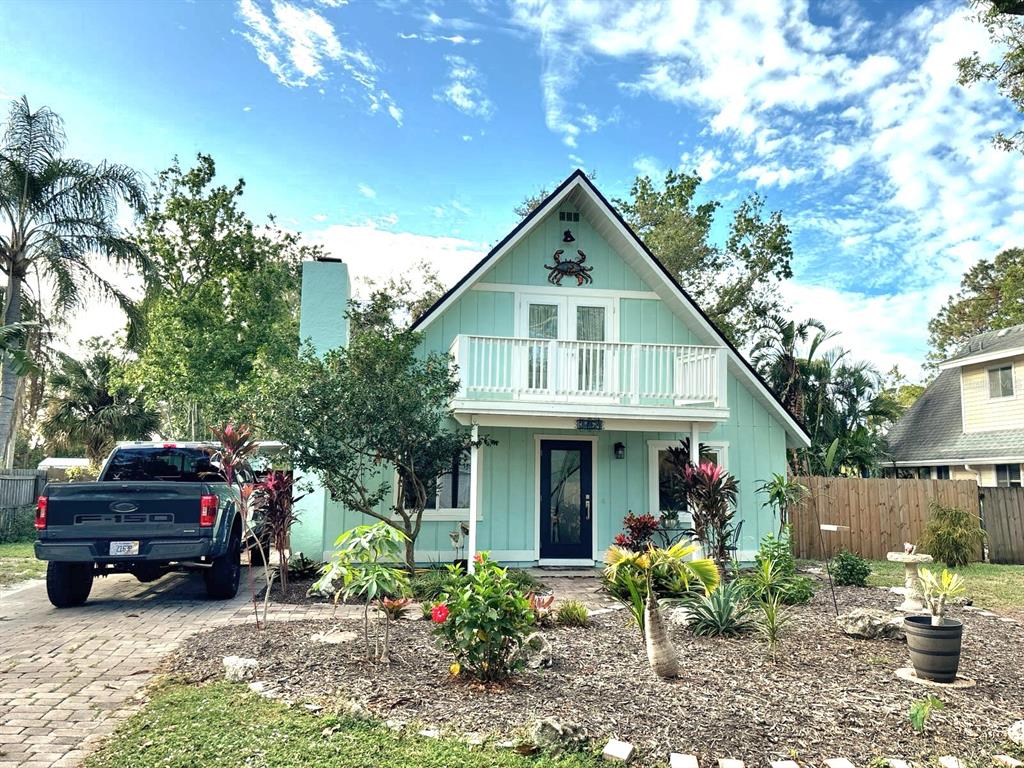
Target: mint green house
(582, 357)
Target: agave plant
(723, 613)
(633, 574)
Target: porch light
(620, 451)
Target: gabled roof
(579, 190)
(991, 345)
(931, 431)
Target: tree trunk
(410, 552)
(660, 651)
(9, 383)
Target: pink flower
(478, 558)
(711, 471)
(439, 614)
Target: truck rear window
(187, 465)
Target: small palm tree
(777, 356)
(56, 213)
(635, 573)
(86, 408)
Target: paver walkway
(68, 677)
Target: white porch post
(695, 443)
(474, 491)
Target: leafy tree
(407, 296)
(991, 297)
(735, 283)
(1004, 20)
(88, 407)
(223, 305)
(373, 419)
(56, 214)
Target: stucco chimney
(325, 295)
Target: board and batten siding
(508, 504)
(983, 413)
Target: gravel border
(827, 696)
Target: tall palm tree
(87, 408)
(778, 357)
(56, 213)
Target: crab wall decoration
(570, 267)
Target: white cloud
(319, 217)
(377, 254)
(367, 191)
(464, 89)
(774, 175)
(247, 109)
(300, 47)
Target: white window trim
(1013, 381)
(654, 446)
(1010, 483)
(566, 311)
(445, 514)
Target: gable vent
(568, 216)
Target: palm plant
(635, 573)
(86, 407)
(777, 356)
(56, 214)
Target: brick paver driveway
(67, 677)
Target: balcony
(508, 374)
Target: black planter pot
(934, 651)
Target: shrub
(429, 585)
(798, 590)
(780, 549)
(573, 613)
(952, 536)
(723, 613)
(302, 568)
(640, 529)
(850, 570)
(767, 581)
(770, 623)
(483, 621)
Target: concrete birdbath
(912, 601)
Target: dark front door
(566, 500)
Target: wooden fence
(19, 487)
(1003, 512)
(871, 517)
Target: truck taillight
(207, 510)
(41, 503)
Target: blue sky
(395, 131)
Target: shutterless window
(451, 489)
(670, 498)
(1008, 475)
(1000, 381)
(942, 473)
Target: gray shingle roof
(991, 341)
(932, 428)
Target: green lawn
(17, 563)
(227, 725)
(999, 587)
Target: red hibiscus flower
(478, 558)
(439, 613)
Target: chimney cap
(327, 258)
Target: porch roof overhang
(615, 418)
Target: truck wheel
(68, 584)
(223, 576)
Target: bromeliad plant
(482, 621)
(632, 579)
(360, 569)
(938, 589)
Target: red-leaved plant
(712, 494)
(640, 529)
(275, 500)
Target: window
(1000, 381)
(942, 473)
(1008, 475)
(451, 489)
(568, 216)
(663, 481)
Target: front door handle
(586, 504)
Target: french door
(567, 351)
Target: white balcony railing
(509, 368)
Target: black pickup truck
(156, 507)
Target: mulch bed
(827, 695)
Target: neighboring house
(969, 422)
(583, 358)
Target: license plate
(121, 548)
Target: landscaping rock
(871, 624)
(728, 762)
(537, 651)
(1015, 733)
(1006, 761)
(892, 762)
(785, 764)
(680, 617)
(430, 733)
(948, 761)
(239, 670)
(552, 736)
(616, 751)
(679, 760)
(839, 762)
(334, 637)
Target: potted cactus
(934, 640)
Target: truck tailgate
(116, 510)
